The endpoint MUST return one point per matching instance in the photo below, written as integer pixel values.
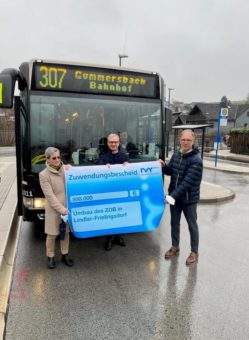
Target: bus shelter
(199, 130)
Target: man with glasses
(113, 156)
(185, 168)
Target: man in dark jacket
(185, 168)
(113, 156)
(127, 146)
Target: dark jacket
(186, 174)
(113, 158)
(130, 149)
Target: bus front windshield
(78, 126)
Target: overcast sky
(200, 47)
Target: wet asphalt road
(132, 292)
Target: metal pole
(167, 151)
(203, 141)
(18, 141)
(217, 138)
(170, 89)
(167, 141)
(175, 137)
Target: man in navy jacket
(185, 168)
(113, 156)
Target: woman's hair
(50, 150)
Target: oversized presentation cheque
(118, 199)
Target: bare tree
(7, 128)
(225, 102)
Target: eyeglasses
(56, 157)
(113, 142)
(186, 140)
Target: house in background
(178, 118)
(207, 113)
(242, 116)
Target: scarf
(54, 168)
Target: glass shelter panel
(79, 127)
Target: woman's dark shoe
(66, 259)
(51, 263)
(120, 241)
(108, 245)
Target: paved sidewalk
(227, 167)
(8, 200)
(227, 155)
(7, 151)
(7, 175)
(8, 229)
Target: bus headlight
(39, 203)
(34, 203)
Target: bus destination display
(82, 79)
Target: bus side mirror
(8, 79)
(7, 85)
